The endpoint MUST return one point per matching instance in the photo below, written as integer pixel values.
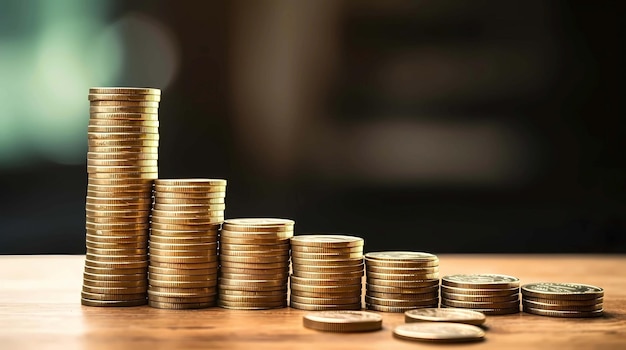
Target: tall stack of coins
(562, 299)
(401, 281)
(327, 272)
(183, 242)
(254, 263)
(490, 294)
(121, 165)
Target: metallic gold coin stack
(326, 272)
(401, 281)
(254, 263)
(122, 158)
(563, 299)
(491, 294)
(183, 242)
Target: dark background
(440, 126)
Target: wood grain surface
(40, 309)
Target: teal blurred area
(456, 126)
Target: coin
(385, 289)
(124, 97)
(445, 315)
(343, 321)
(584, 302)
(326, 250)
(327, 241)
(565, 314)
(310, 307)
(481, 305)
(325, 282)
(113, 303)
(568, 291)
(439, 332)
(402, 256)
(544, 306)
(402, 284)
(404, 296)
(485, 299)
(123, 116)
(401, 303)
(118, 103)
(402, 277)
(113, 297)
(480, 281)
(179, 306)
(190, 182)
(482, 292)
(395, 309)
(204, 299)
(124, 90)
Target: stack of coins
(327, 272)
(254, 263)
(562, 299)
(401, 281)
(121, 165)
(490, 294)
(183, 242)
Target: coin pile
(562, 299)
(343, 321)
(183, 242)
(491, 294)
(439, 332)
(445, 315)
(122, 158)
(327, 272)
(401, 281)
(254, 263)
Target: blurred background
(440, 126)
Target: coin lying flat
(439, 332)
(566, 291)
(343, 321)
(445, 315)
(480, 281)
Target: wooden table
(39, 308)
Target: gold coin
(256, 254)
(187, 211)
(253, 266)
(140, 235)
(211, 246)
(480, 305)
(179, 306)
(218, 193)
(124, 116)
(182, 269)
(135, 200)
(473, 298)
(187, 201)
(323, 282)
(254, 248)
(385, 289)
(118, 182)
(183, 284)
(190, 190)
(114, 277)
(439, 332)
(117, 188)
(191, 182)
(403, 277)
(117, 207)
(480, 292)
(177, 290)
(185, 231)
(402, 284)
(254, 241)
(185, 221)
(118, 213)
(182, 293)
(254, 260)
(116, 265)
(126, 152)
(312, 307)
(154, 238)
(163, 228)
(114, 290)
(116, 220)
(564, 314)
(124, 97)
(396, 309)
(112, 297)
(115, 271)
(97, 129)
(122, 136)
(112, 303)
(343, 321)
(144, 194)
(124, 91)
(323, 250)
(92, 142)
(117, 103)
(258, 223)
(250, 306)
(401, 303)
(253, 283)
(250, 276)
(404, 296)
(488, 312)
(133, 123)
(253, 293)
(113, 245)
(480, 281)
(329, 275)
(184, 278)
(117, 252)
(117, 258)
(114, 227)
(328, 262)
(328, 269)
(116, 284)
(123, 109)
(315, 256)
(400, 263)
(327, 241)
(405, 256)
(340, 288)
(402, 271)
(122, 156)
(126, 175)
(181, 215)
(205, 299)
(305, 294)
(215, 204)
(544, 306)
(283, 235)
(254, 299)
(184, 252)
(122, 169)
(182, 259)
(564, 291)
(122, 163)
(445, 315)
(278, 270)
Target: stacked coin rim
(491, 294)
(568, 300)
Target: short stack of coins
(398, 281)
(183, 242)
(562, 299)
(254, 263)
(327, 272)
(491, 294)
(122, 157)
